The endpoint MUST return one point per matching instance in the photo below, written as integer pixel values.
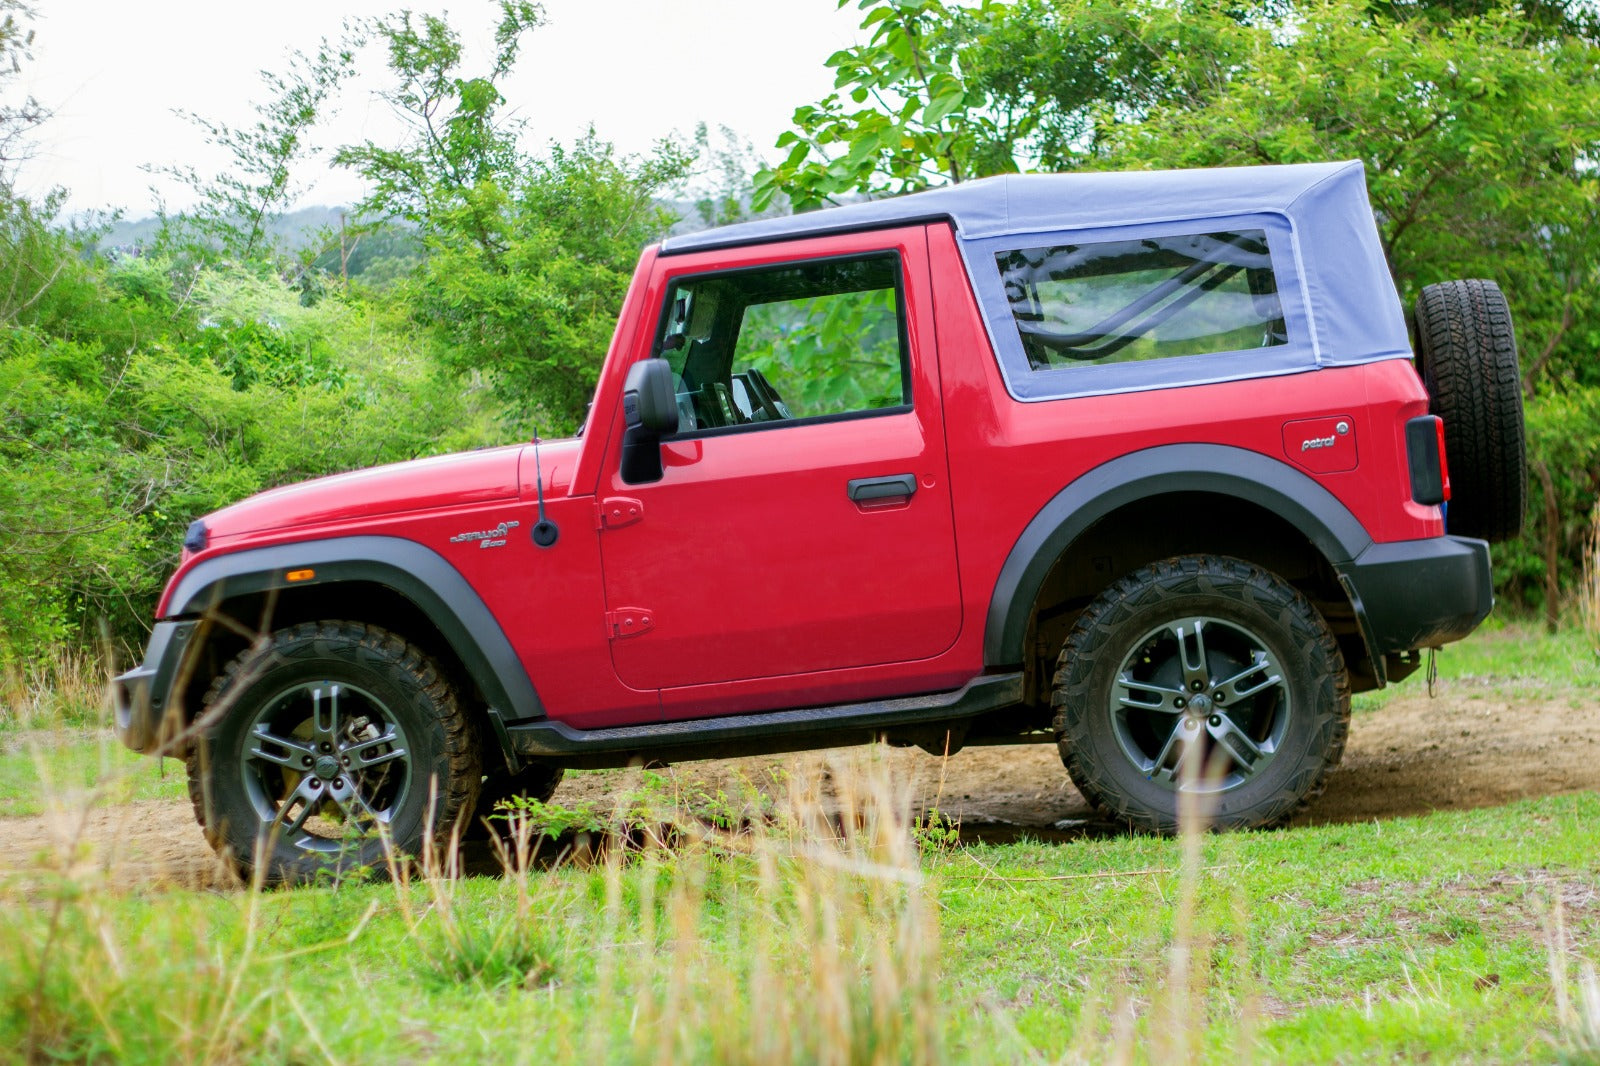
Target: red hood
(445, 480)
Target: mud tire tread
(1100, 631)
(1468, 357)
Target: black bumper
(1419, 593)
(147, 717)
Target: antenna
(545, 531)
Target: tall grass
(805, 933)
(68, 690)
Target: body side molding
(1228, 471)
(418, 573)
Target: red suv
(1135, 464)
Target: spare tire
(1468, 359)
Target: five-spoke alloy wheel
(1201, 674)
(335, 745)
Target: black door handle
(862, 489)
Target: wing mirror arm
(650, 412)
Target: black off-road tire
(1245, 611)
(1468, 358)
(422, 780)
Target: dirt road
(1471, 747)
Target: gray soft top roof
(1338, 294)
(1024, 203)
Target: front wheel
(1206, 674)
(332, 743)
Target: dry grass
(69, 690)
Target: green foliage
(477, 945)
(828, 354)
(904, 116)
(527, 258)
(137, 395)
(1563, 430)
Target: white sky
(113, 72)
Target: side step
(760, 734)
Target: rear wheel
(333, 742)
(1468, 357)
(1201, 674)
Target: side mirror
(650, 411)
(649, 401)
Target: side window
(1118, 301)
(778, 344)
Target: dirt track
(1469, 748)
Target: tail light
(1430, 474)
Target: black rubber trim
(1422, 593)
(1237, 472)
(139, 696)
(418, 573)
(760, 734)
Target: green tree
(902, 117)
(527, 257)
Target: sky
(114, 72)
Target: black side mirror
(650, 411)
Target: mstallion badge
(487, 538)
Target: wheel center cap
(327, 767)
(1199, 706)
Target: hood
(446, 480)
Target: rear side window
(1147, 298)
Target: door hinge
(629, 622)
(619, 511)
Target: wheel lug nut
(345, 760)
(1179, 702)
(1197, 685)
(305, 761)
(326, 746)
(316, 783)
(338, 782)
(1216, 719)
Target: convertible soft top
(1317, 216)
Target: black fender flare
(416, 572)
(1227, 471)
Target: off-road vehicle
(1144, 465)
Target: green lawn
(1453, 937)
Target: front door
(803, 520)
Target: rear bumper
(145, 717)
(1419, 593)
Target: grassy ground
(1461, 936)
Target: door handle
(863, 489)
